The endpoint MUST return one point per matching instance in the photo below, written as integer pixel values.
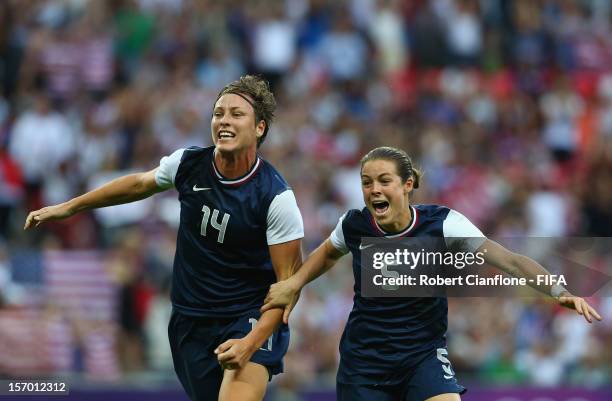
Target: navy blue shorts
(433, 376)
(193, 341)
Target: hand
(235, 353)
(283, 294)
(580, 305)
(56, 212)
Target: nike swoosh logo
(362, 247)
(195, 188)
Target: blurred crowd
(505, 105)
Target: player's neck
(234, 165)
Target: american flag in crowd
(79, 283)
(33, 341)
(77, 313)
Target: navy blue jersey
(222, 264)
(385, 337)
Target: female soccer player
(240, 230)
(393, 349)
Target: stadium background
(505, 105)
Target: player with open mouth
(394, 349)
(240, 230)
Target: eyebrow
(231, 108)
(379, 176)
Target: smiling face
(233, 125)
(385, 196)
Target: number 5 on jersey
(214, 222)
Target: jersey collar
(406, 231)
(238, 181)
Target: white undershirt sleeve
(337, 237)
(459, 231)
(168, 166)
(284, 219)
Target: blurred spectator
(11, 191)
(11, 292)
(156, 331)
(274, 42)
(134, 299)
(134, 33)
(95, 46)
(530, 41)
(41, 140)
(561, 108)
(464, 32)
(592, 370)
(547, 212)
(220, 66)
(59, 63)
(180, 127)
(542, 364)
(387, 30)
(99, 141)
(344, 51)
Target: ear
(408, 185)
(260, 128)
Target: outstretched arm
(126, 189)
(519, 265)
(285, 294)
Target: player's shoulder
(190, 158)
(196, 152)
(440, 212)
(356, 214)
(432, 211)
(355, 219)
(271, 178)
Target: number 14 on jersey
(214, 222)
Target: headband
(249, 101)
